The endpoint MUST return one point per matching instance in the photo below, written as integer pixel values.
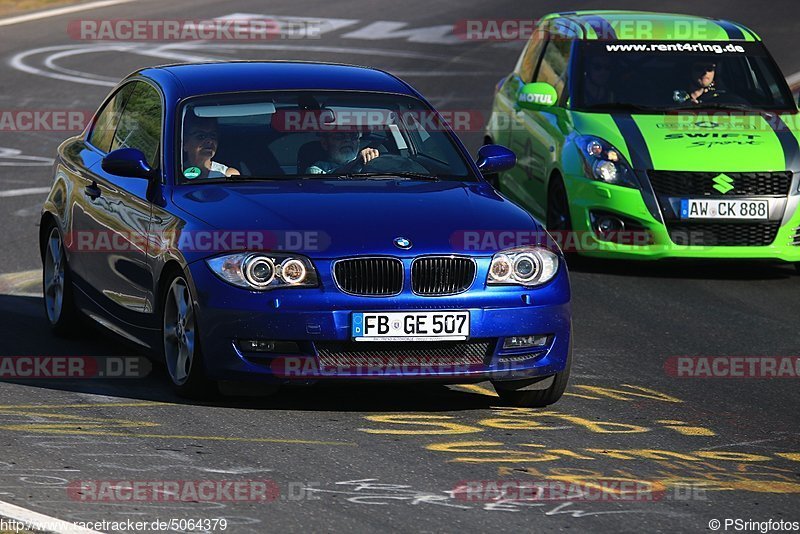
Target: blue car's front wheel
(520, 393)
(180, 342)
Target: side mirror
(495, 158)
(129, 162)
(537, 96)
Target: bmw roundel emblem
(402, 242)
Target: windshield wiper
(390, 176)
(719, 105)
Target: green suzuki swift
(646, 135)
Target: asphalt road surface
(391, 458)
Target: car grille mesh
(679, 183)
(403, 353)
(723, 234)
(442, 275)
(796, 237)
(376, 277)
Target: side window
(530, 57)
(140, 123)
(555, 63)
(107, 120)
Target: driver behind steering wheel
(341, 149)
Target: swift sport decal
(791, 149)
(709, 140)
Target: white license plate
(410, 326)
(724, 209)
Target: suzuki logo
(723, 183)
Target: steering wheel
(353, 167)
(387, 163)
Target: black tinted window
(140, 124)
(555, 62)
(527, 64)
(106, 124)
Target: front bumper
(587, 196)
(321, 316)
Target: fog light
(607, 226)
(520, 342)
(267, 345)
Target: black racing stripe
(791, 148)
(604, 30)
(637, 146)
(734, 31)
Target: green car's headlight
(525, 266)
(605, 163)
(260, 271)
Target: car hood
(332, 219)
(722, 141)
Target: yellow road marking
(47, 430)
(24, 282)
(681, 427)
(578, 395)
(76, 424)
(435, 425)
(474, 388)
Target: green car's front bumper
(587, 196)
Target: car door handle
(92, 191)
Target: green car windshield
(644, 76)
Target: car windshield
(291, 135)
(658, 76)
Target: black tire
(558, 217)
(559, 221)
(186, 373)
(60, 310)
(797, 266)
(537, 398)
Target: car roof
(648, 26)
(192, 79)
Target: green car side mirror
(537, 96)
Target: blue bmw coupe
(290, 222)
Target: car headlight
(525, 266)
(261, 270)
(605, 163)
